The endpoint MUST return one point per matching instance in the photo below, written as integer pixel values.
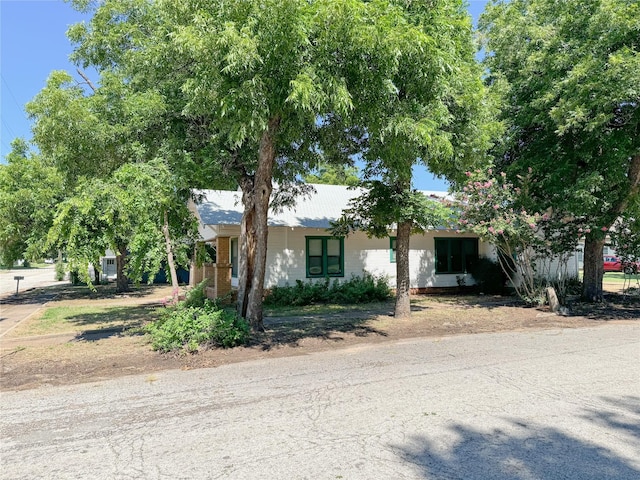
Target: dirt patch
(93, 354)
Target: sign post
(17, 278)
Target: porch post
(223, 267)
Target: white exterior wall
(286, 257)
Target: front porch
(217, 273)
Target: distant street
(521, 405)
(33, 277)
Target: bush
(488, 276)
(60, 271)
(188, 328)
(197, 296)
(365, 289)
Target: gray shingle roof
(221, 207)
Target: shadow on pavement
(529, 451)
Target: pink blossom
(587, 230)
(492, 230)
(496, 207)
(468, 174)
(490, 171)
(604, 229)
(532, 225)
(500, 232)
(503, 174)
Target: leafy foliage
(189, 326)
(329, 174)
(29, 193)
(365, 289)
(533, 247)
(368, 213)
(123, 210)
(568, 76)
(489, 277)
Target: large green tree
(30, 190)
(130, 211)
(88, 131)
(569, 71)
(258, 88)
(426, 106)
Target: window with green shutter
(325, 257)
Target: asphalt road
(555, 404)
(33, 277)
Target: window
(234, 257)
(456, 255)
(325, 257)
(392, 249)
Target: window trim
(449, 240)
(233, 240)
(392, 250)
(324, 239)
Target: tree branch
(86, 79)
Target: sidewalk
(14, 308)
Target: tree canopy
(568, 72)
(263, 91)
(30, 190)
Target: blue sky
(33, 44)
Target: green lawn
(617, 277)
(72, 319)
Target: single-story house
(301, 248)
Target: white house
(301, 248)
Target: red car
(615, 264)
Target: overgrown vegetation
(489, 277)
(197, 322)
(365, 289)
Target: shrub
(60, 271)
(489, 276)
(190, 327)
(365, 289)
(197, 296)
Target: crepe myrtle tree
(534, 247)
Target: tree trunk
(593, 269)
(256, 195)
(262, 196)
(247, 246)
(172, 266)
(403, 286)
(122, 282)
(96, 275)
(593, 247)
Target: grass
(617, 277)
(32, 266)
(73, 319)
(324, 309)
